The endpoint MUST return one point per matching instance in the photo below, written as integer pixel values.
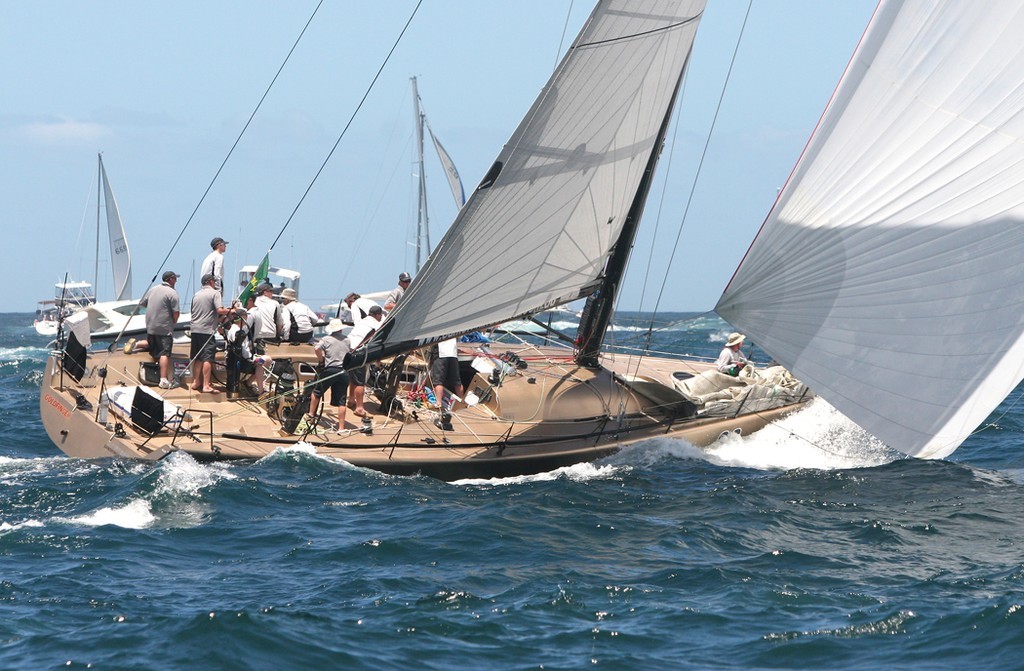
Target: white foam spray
(817, 437)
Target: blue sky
(163, 89)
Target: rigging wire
(693, 185)
(202, 198)
(349, 123)
(237, 140)
(561, 41)
(700, 164)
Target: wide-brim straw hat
(334, 326)
(735, 339)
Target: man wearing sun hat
(731, 361)
(331, 351)
(213, 264)
(299, 318)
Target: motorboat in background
(69, 296)
(279, 278)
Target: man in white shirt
(732, 360)
(213, 264)
(299, 318)
(357, 337)
(271, 314)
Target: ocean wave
(585, 472)
(305, 453)
(181, 476)
(14, 470)
(7, 526)
(18, 354)
(893, 624)
(135, 514)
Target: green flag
(257, 279)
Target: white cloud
(64, 131)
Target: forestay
(537, 231)
(889, 275)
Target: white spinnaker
(540, 234)
(889, 275)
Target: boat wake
(585, 472)
(817, 437)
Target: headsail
(889, 274)
(450, 171)
(538, 230)
(120, 256)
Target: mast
(422, 220)
(99, 194)
(597, 313)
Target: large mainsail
(538, 230)
(120, 256)
(889, 275)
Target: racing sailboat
(551, 222)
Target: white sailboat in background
(889, 274)
(557, 318)
(423, 247)
(72, 296)
(106, 319)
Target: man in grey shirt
(331, 351)
(162, 311)
(207, 309)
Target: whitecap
(7, 526)
(183, 476)
(136, 514)
(23, 353)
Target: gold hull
(549, 415)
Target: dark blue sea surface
(805, 546)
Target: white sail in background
(889, 275)
(120, 256)
(538, 230)
(448, 165)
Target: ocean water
(805, 546)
